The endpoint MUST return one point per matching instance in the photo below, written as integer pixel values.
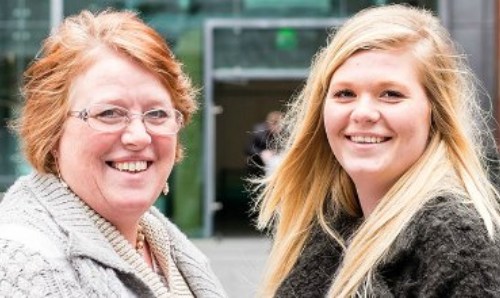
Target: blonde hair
(68, 52)
(309, 177)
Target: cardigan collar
(86, 240)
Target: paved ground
(238, 262)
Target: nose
(136, 136)
(365, 110)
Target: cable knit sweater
(52, 245)
(444, 252)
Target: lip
(132, 160)
(126, 158)
(365, 138)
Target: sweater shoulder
(29, 273)
(446, 218)
(444, 251)
(313, 271)
(450, 227)
(20, 206)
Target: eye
(344, 94)
(158, 114)
(392, 94)
(107, 112)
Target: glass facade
(283, 48)
(24, 24)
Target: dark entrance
(242, 105)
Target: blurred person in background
(262, 153)
(383, 187)
(104, 103)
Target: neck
(126, 224)
(137, 239)
(368, 199)
(129, 231)
(367, 206)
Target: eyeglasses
(109, 118)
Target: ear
(55, 148)
(55, 154)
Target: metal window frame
(56, 17)
(56, 13)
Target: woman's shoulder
(30, 272)
(19, 203)
(32, 256)
(447, 217)
(311, 275)
(25, 202)
(448, 225)
(445, 250)
(25, 219)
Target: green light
(286, 39)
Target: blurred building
(247, 56)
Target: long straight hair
(295, 196)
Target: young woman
(382, 190)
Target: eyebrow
(353, 83)
(148, 101)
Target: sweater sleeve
(451, 255)
(27, 273)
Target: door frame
(212, 75)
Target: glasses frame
(84, 115)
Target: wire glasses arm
(83, 114)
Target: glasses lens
(163, 121)
(107, 118)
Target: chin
(365, 173)
(135, 209)
(364, 170)
(134, 202)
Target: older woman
(104, 104)
(382, 191)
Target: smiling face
(118, 174)
(377, 119)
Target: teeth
(131, 166)
(366, 139)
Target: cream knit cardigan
(53, 245)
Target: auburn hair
(69, 51)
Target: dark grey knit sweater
(444, 252)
